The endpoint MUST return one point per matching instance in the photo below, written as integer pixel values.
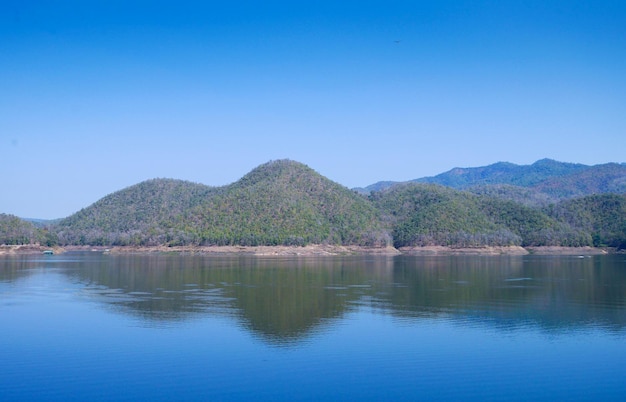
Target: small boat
(48, 252)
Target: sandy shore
(552, 250)
(312, 250)
(443, 250)
(510, 250)
(28, 249)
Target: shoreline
(503, 250)
(312, 250)
(24, 249)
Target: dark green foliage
(603, 216)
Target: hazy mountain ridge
(287, 203)
(547, 179)
(504, 173)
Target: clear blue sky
(96, 96)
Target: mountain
(278, 203)
(427, 214)
(286, 203)
(598, 179)
(547, 180)
(423, 214)
(603, 216)
(534, 226)
(504, 173)
(140, 214)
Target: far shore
(311, 250)
(502, 250)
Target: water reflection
(286, 299)
(551, 292)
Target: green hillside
(140, 214)
(529, 197)
(534, 226)
(278, 203)
(602, 216)
(427, 214)
(14, 230)
(286, 203)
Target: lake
(92, 326)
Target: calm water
(169, 327)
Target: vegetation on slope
(602, 216)
(426, 214)
(14, 230)
(279, 203)
(286, 203)
(529, 197)
(532, 225)
(137, 215)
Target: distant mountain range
(544, 180)
(284, 202)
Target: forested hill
(14, 230)
(279, 203)
(545, 178)
(139, 214)
(429, 214)
(287, 203)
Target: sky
(96, 96)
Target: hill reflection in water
(284, 300)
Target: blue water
(105, 327)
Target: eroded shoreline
(311, 250)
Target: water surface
(92, 326)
